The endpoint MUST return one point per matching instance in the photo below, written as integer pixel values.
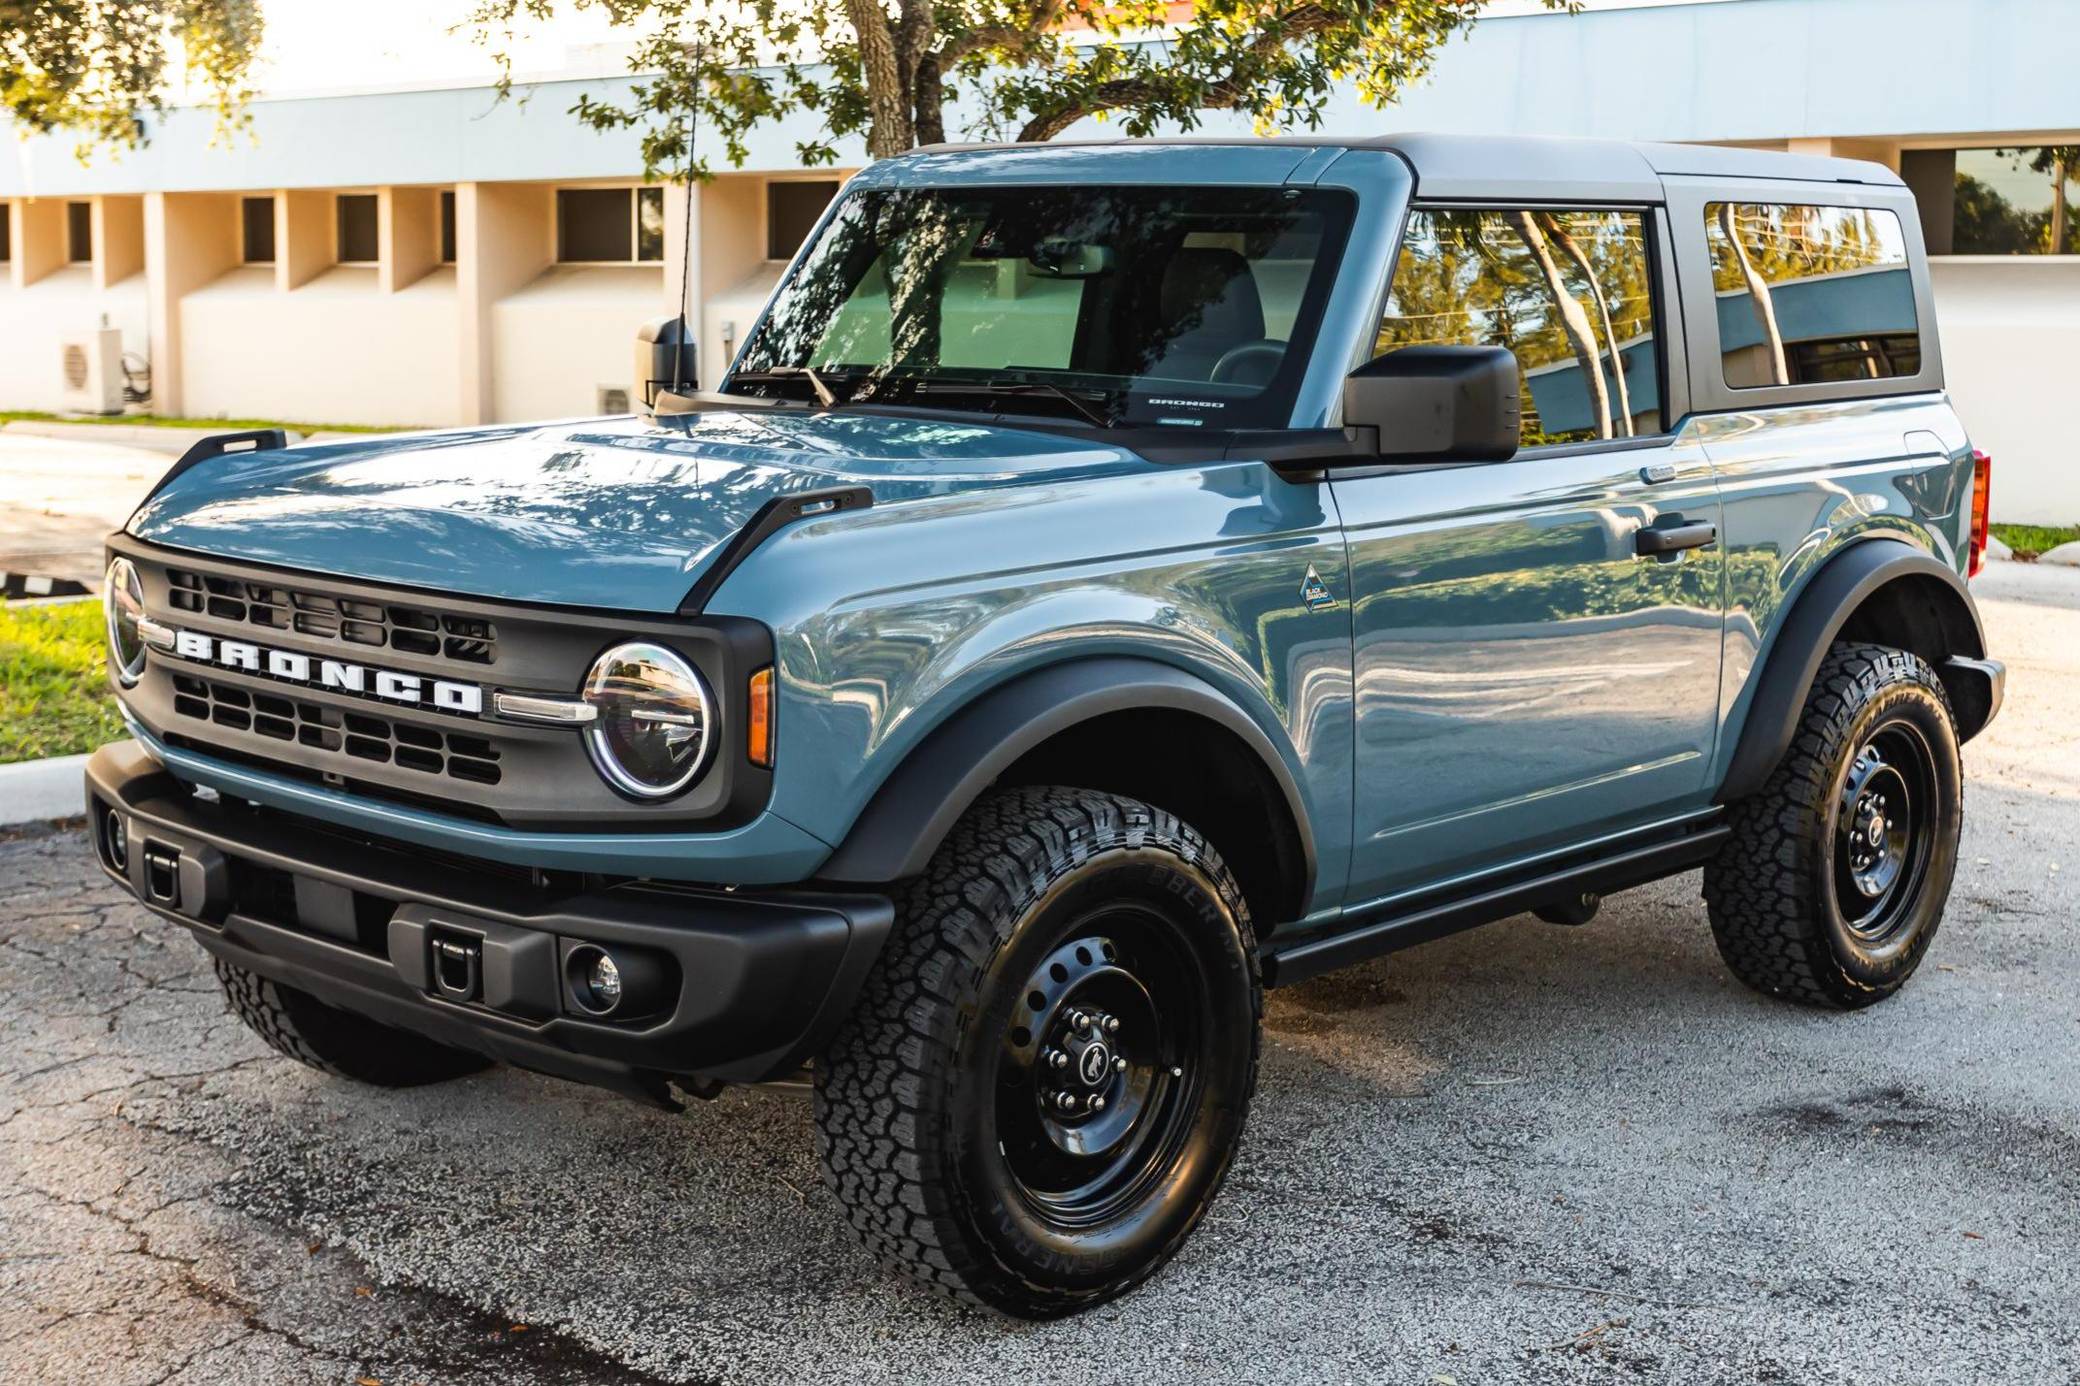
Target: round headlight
(651, 737)
(122, 598)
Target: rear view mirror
(1058, 257)
(1437, 403)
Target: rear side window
(1570, 293)
(1808, 295)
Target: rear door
(1529, 674)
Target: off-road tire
(337, 1042)
(1773, 894)
(900, 1096)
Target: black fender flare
(895, 836)
(1843, 584)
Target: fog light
(605, 981)
(118, 840)
(623, 984)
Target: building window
(2007, 201)
(256, 227)
(792, 210)
(357, 229)
(1808, 295)
(614, 226)
(6, 234)
(79, 232)
(1571, 294)
(448, 227)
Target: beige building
(433, 256)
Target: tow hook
(458, 966)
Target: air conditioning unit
(610, 399)
(92, 371)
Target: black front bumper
(745, 987)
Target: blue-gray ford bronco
(1109, 580)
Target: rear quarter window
(1810, 294)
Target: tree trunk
(1573, 320)
(889, 130)
(1603, 313)
(2059, 175)
(1758, 293)
(930, 101)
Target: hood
(619, 513)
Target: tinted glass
(593, 224)
(447, 228)
(649, 223)
(791, 212)
(1571, 294)
(2016, 201)
(256, 222)
(79, 231)
(1169, 306)
(357, 228)
(1808, 295)
(6, 234)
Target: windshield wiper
(825, 396)
(1014, 388)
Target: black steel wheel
(1047, 1076)
(1835, 879)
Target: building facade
(437, 256)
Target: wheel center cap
(1095, 1064)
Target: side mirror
(664, 360)
(1437, 403)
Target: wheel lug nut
(1057, 1059)
(1098, 1102)
(1111, 1024)
(1079, 1022)
(1065, 1100)
(1119, 1063)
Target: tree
(1025, 69)
(98, 67)
(2061, 163)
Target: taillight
(1982, 493)
(758, 727)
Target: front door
(1538, 640)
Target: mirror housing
(1437, 403)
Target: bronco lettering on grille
(440, 694)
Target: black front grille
(458, 755)
(377, 625)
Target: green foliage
(172, 421)
(2030, 542)
(54, 693)
(1030, 68)
(1986, 223)
(98, 66)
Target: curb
(16, 586)
(35, 791)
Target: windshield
(1189, 306)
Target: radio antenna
(693, 130)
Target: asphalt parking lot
(1524, 1154)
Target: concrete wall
(567, 332)
(2011, 340)
(253, 351)
(36, 320)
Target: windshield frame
(1328, 336)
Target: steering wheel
(1250, 363)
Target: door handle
(1675, 540)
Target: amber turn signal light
(758, 733)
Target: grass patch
(2029, 541)
(54, 693)
(215, 425)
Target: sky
(324, 45)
